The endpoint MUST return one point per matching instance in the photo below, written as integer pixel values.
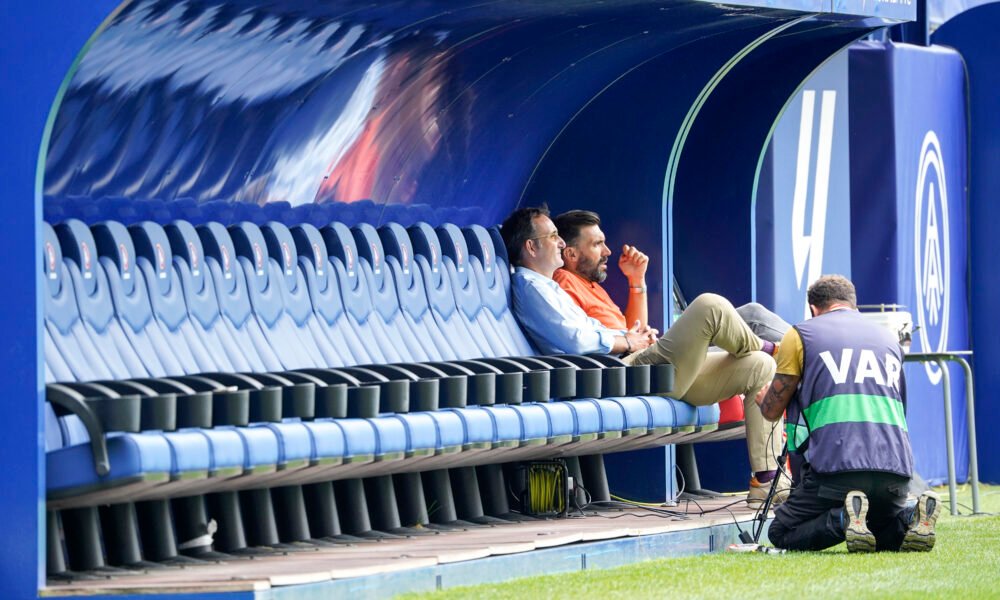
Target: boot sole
(859, 537)
(920, 536)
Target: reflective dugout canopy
(664, 107)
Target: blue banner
(910, 229)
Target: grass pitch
(965, 563)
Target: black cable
(680, 476)
(718, 508)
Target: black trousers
(811, 517)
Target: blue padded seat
(135, 458)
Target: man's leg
(724, 376)
(889, 517)
(709, 320)
(764, 323)
(807, 521)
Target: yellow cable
(636, 502)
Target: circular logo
(932, 253)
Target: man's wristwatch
(638, 289)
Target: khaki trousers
(702, 377)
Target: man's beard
(592, 270)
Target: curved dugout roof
(440, 102)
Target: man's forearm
(637, 308)
(778, 396)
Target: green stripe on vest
(796, 435)
(855, 408)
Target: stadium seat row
(185, 360)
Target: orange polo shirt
(592, 298)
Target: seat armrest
(298, 398)
(612, 374)
(98, 415)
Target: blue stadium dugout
(272, 313)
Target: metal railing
(942, 358)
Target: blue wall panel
(909, 227)
(973, 33)
(36, 57)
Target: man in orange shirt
(585, 267)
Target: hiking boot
(920, 534)
(759, 491)
(859, 537)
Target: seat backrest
(353, 276)
(413, 303)
(94, 300)
(490, 271)
(466, 280)
(227, 274)
(204, 312)
(155, 260)
(388, 314)
(130, 296)
(273, 290)
(70, 355)
(442, 299)
(322, 285)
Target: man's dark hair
(831, 289)
(518, 228)
(570, 223)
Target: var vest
(849, 411)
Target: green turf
(965, 563)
